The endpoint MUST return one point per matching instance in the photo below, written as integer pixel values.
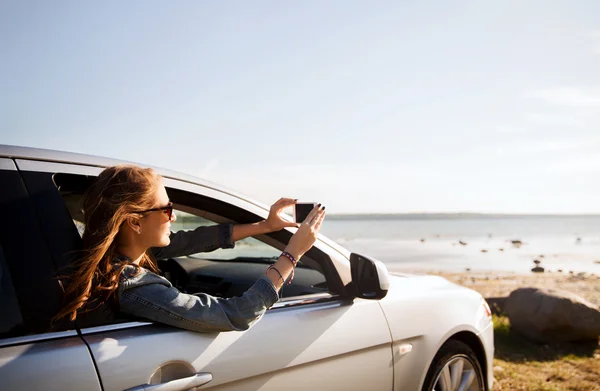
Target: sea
(472, 242)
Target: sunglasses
(167, 209)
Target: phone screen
(302, 209)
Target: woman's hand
(306, 235)
(275, 222)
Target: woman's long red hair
(118, 193)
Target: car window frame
(338, 258)
(336, 269)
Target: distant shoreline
(446, 216)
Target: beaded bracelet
(290, 257)
(294, 262)
(278, 272)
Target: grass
(523, 365)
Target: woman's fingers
(312, 214)
(283, 203)
(306, 235)
(320, 219)
(319, 213)
(286, 202)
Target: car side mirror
(370, 277)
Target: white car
(344, 323)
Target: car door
(319, 341)
(33, 356)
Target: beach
(496, 284)
(520, 364)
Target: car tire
(454, 365)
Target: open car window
(230, 272)
(223, 272)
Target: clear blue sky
(366, 106)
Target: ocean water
(430, 243)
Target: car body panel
(425, 311)
(53, 365)
(486, 335)
(321, 346)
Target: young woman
(128, 216)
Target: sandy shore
(500, 284)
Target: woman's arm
(242, 231)
(153, 297)
(273, 223)
(201, 240)
(298, 245)
(209, 238)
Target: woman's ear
(134, 224)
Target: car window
(222, 272)
(29, 290)
(230, 272)
(11, 321)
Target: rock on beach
(548, 315)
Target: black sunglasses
(167, 209)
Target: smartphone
(302, 209)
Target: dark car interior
(229, 278)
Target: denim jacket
(151, 296)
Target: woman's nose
(173, 217)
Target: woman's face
(156, 225)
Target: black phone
(302, 209)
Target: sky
(364, 106)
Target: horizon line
(462, 214)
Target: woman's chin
(165, 241)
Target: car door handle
(185, 383)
